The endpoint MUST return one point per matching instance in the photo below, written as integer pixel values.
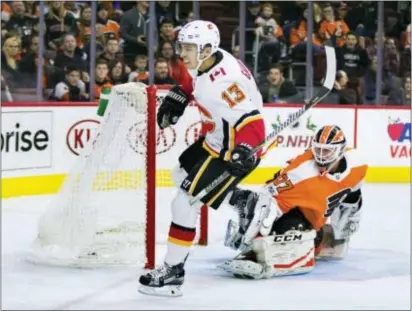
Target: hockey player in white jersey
(230, 105)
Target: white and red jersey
(230, 105)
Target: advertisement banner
(26, 140)
(296, 139)
(384, 136)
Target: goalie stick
(292, 119)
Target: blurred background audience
(276, 42)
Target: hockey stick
(292, 119)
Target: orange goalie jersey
(301, 185)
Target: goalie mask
(328, 146)
(201, 34)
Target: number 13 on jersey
(233, 95)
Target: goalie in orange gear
(315, 207)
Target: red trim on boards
(268, 105)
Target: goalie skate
(163, 281)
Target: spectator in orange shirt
(331, 29)
(141, 72)
(270, 34)
(111, 27)
(298, 37)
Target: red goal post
(156, 93)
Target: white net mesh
(98, 218)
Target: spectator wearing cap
(351, 58)
(58, 22)
(331, 29)
(111, 28)
(21, 23)
(161, 74)
(72, 88)
(133, 30)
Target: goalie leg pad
(284, 254)
(245, 269)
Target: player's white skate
(163, 281)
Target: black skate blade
(165, 291)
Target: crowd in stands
(277, 42)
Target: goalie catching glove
(172, 107)
(242, 160)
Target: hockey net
(104, 213)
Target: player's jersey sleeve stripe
(247, 118)
(228, 140)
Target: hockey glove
(242, 161)
(172, 107)
(345, 220)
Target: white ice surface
(375, 274)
